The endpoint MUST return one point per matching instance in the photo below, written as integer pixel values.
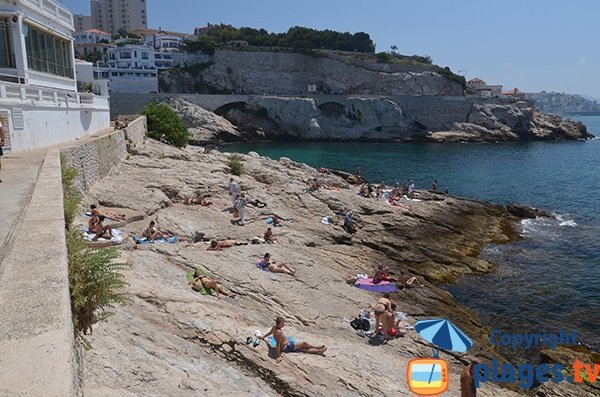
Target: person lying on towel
(107, 214)
(274, 267)
(198, 199)
(284, 345)
(218, 245)
(201, 281)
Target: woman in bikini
(274, 267)
(219, 245)
(383, 305)
(201, 281)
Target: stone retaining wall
(93, 160)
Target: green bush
(71, 196)
(236, 167)
(95, 280)
(163, 120)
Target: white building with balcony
(131, 68)
(39, 102)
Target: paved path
(19, 174)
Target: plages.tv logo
(429, 376)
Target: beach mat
(382, 287)
(144, 240)
(190, 277)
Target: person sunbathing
(407, 281)
(218, 245)
(101, 230)
(107, 214)
(257, 203)
(274, 267)
(285, 345)
(314, 186)
(196, 200)
(152, 233)
(381, 274)
(392, 327)
(269, 238)
(204, 282)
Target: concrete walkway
(19, 175)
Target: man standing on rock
(240, 205)
(234, 191)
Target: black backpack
(360, 323)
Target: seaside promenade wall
(37, 350)
(94, 159)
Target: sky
(533, 45)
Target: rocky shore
(169, 340)
(374, 119)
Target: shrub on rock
(163, 120)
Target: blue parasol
(443, 335)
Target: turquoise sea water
(547, 281)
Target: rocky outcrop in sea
(511, 122)
(169, 340)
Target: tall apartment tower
(114, 15)
(82, 23)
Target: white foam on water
(569, 223)
(564, 221)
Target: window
(47, 53)
(144, 55)
(6, 59)
(125, 55)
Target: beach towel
(269, 221)
(144, 240)
(259, 265)
(272, 344)
(382, 287)
(326, 220)
(190, 277)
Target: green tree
(163, 120)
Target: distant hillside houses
(564, 104)
(480, 88)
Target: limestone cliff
(382, 119)
(281, 73)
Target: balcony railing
(56, 10)
(21, 92)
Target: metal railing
(23, 93)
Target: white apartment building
(39, 102)
(114, 15)
(131, 68)
(163, 41)
(91, 36)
